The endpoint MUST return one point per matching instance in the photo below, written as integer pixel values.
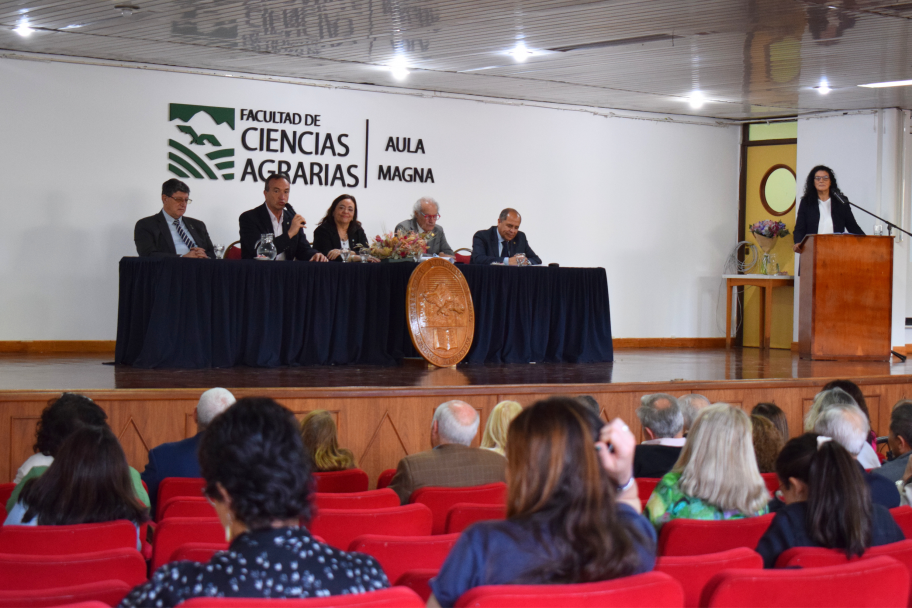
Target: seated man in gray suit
(169, 233)
(425, 214)
(451, 462)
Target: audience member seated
(258, 479)
(716, 476)
(58, 421)
(178, 459)
(340, 229)
(495, 433)
(826, 503)
(663, 424)
(855, 393)
(900, 440)
(774, 414)
(836, 396)
(425, 213)
(451, 462)
(572, 511)
(321, 441)
(60, 418)
(767, 443)
(590, 402)
(691, 404)
(847, 425)
(88, 482)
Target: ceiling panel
(749, 59)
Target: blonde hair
(318, 431)
(717, 463)
(495, 433)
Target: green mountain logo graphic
(189, 159)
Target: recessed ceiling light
(892, 83)
(696, 100)
(23, 29)
(824, 87)
(520, 53)
(127, 9)
(398, 68)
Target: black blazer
(256, 222)
(809, 217)
(152, 236)
(486, 248)
(326, 238)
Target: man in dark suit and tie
(275, 216)
(178, 459)
(169, 233)
(501, 243)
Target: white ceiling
(751, 59)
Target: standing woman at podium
(822, 211)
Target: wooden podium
(846, 297)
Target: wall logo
(195, 148)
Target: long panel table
(187, 313)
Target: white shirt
(180, 248)
(868, 457)
(35, 460)
(345, 244)
(276, 229)
(677, 442)
(825, 224)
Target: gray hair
(212, 403)
(823, 401)
(846, 424)
(663, 422)
(503, 214)
(690, 405)
(449, 426)
(416, 208)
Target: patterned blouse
(270, 563)
(669, 502)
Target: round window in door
(777, 189)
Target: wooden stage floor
(89, 372)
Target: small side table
(766, 283)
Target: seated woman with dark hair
(572, 508)
(321, 441)
(59, 419)
(88, 482)
(258, 479)
(767, 443)
(774, 414)
(340, 229)
(828, 503)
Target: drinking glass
(878, 229)
(219, 251)
(521, 259)
(346, 253)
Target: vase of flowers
(767, 232)
(400, 246)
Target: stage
(384, 413)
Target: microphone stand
(890, 227)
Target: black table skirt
(187, 313)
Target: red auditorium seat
(351, 480)
(903, 518)
(463, 258)
(440, 499)
(177, 486)
(462, 515)
(694, 571)
(394, 597)
(173, 532)
(372, 499)
(399, 554)
(339, 527)
(197, 552)
(696, 537)
(60, 540)
(652, 589)
(102, 594)
(6, 490)
(18, 571)
(417, 581)
(880, 581)
(233, 251)
(645, 486)
(385, 478)
(772, 482)
(188, 506)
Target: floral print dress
(669, 502)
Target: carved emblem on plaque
(440, 312)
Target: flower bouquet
(767, 232)
(400, 245)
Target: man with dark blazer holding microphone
(501, 243)
(275, 216)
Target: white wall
(865, 150)
(84, 153)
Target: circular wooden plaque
(440, 312)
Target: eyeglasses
(430, 217)
(821, 178)
(180, 200)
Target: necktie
(184, 237)
(505, 252)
